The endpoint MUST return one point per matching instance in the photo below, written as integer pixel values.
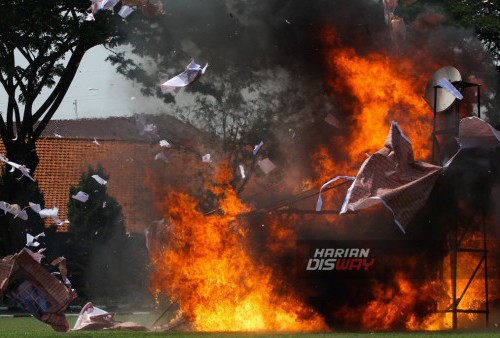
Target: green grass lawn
(30, 327)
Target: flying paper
(142, 127)
(37, 256)
(164, 143)
(109, 4)
(161, 156)
(32, 240)
(35, 207)
(206, 158)
(21, 167)
(13, 209)
(99, 179)
(49, 212)
(330, 119)
(446, 84)
(125, 11)
(242, 171)
(192, 73)
(257, 147)
(44, 213)
(81, 196)
(266, 165)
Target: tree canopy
(41, 46)
(483, 16)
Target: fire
(206, 268)
(377, 88)
(206, 263)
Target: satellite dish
(444, 98)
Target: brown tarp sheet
(477, 133)
(391, 176)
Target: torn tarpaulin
(391, 176)
(26, 284)
(477, 133)
(93, 318)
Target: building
(67, 148)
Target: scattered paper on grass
(94, 318)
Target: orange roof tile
(122, 155)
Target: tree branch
(26, 55)
(58, 94)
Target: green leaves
(98, 219)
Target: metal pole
(479, 101)
(453, 265)
(434, 124)
(485, 270)
(75, 103)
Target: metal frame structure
(456, 248)
(456, 239)
(460, 85)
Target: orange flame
(206, 269)
(377, 88)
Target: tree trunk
(20, 152)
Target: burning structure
(253, 254)
(244, 266)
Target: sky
(99, 92)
